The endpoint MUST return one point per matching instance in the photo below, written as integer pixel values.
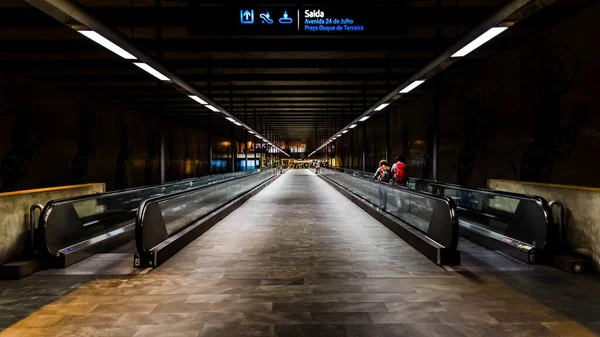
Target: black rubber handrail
(117, 192)
(480, 190)
(526, 197)
(402, 188)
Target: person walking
(383, 176)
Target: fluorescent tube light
(197, 99)
(411, 86)
(344, 131)
(212, 108)
(106, 43)
(483, 38)
(363, 119)
(352, 126)
(251, 132)
(152, 71)
(233, 121)
(382, 106)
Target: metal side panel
(81, 251)
(434, 251)
(492, 240)
(169, 247)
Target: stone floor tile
(238, 330)
(341, 318)
(569, 329)
(310, 330)
(87, 331)
(125, 308)
(39, 321)
(29, 332)
(211, 317)
(169, 330)
(151, 319)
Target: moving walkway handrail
(117, 192)
(144, 204)
(539, 201)
(366, 176)
(482, 190)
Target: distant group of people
(395, 174)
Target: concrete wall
(14, 214)
(583, 204)
(526, 114)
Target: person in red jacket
(399, 171)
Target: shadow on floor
(571, 297)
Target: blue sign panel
(317, 20)
(300, 20)
(246, 16)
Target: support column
(388, 148)
(209, 131)
(364, 132)
(316, 135)
(232, 131)
(162, 134)
(436, 130)
(232, 148)
(350, 135)
(245, 167)
(162, 156)
(364, 146)
(160, 98)
(436, 103)
(350, 149)
(209, 143)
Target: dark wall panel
(529, 114)
(49, 137)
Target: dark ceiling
(293, 83)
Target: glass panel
(414, 209)
(181, 211)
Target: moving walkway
(428, 222)
(521, 226)
(72, 229)
(167, 223)
(518, 225)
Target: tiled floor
(299, 259)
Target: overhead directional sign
(317, 20)
(300, 20)
(297, 20)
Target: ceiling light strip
(484, 32)
(76, 17)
